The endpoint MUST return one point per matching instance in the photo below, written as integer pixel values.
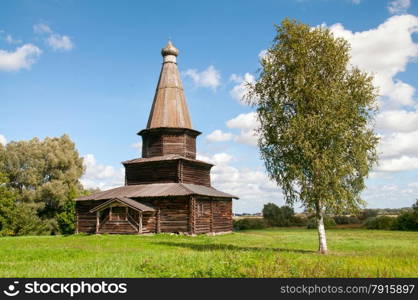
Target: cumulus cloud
(252, 186)
(42, 28)
(138, 146)
(247, 124)
(398, 144)
(399, 6)
(21, 58)
(3, 140)
(210, 78)
(219, 136)
(403, 163)
(240, 90)
(59, 42)
(54, 40)
(385, 51)
(397, 120)
(101, 176)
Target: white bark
(323, 249)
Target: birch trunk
(323, 249)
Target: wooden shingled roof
(157, 190)
(125, 201)
(162, 158)
(169, 107)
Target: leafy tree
(314, 111)
(16, 218)
(407, 220)
(44, 174)
(278, 216)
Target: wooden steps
(118, 227)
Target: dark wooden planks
(86, 221)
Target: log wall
(169, 142)
(85, 221)
(152, 172)
(222, 215)
(203, 216)
(174, 213)
(195, 173)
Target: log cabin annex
(167, 189)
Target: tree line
(284, 216)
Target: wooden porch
(124, 216)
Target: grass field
(256, 253)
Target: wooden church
(167, 189)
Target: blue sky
(89, 69)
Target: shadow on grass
(210, 247)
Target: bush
(249, 223)
(328, 222)
(382, 222)
(368, 213)
(406, 221)
(278, 216)
(66, 219)
(345, 220)
(299, 221)
(24, 221)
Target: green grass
(256, 253)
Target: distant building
(167, 190)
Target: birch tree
(316, 114)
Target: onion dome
(169, 49)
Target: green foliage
(299, 221)
(25, 221)
(17, 218)
(249, 223)
(315, 112)
(328, 222)
(345, 220)
(278, 216)
(381, 222)
(406, 221)
(368, 213)
(66, 218)
(43, 176)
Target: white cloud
(247, 124)
(403, 163)
(397, 120)
(244, 121)
(253, 187)
(54, 40)
(399, 6)
(356, 1)
(218, 136)
(22, 58)
(207, 78)
(59, 42)
(138, 146)
(385, 51)
(240, 90)
(3, 140)
(101, 176)
(42, 28)
(398, 144)
(10, 40)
